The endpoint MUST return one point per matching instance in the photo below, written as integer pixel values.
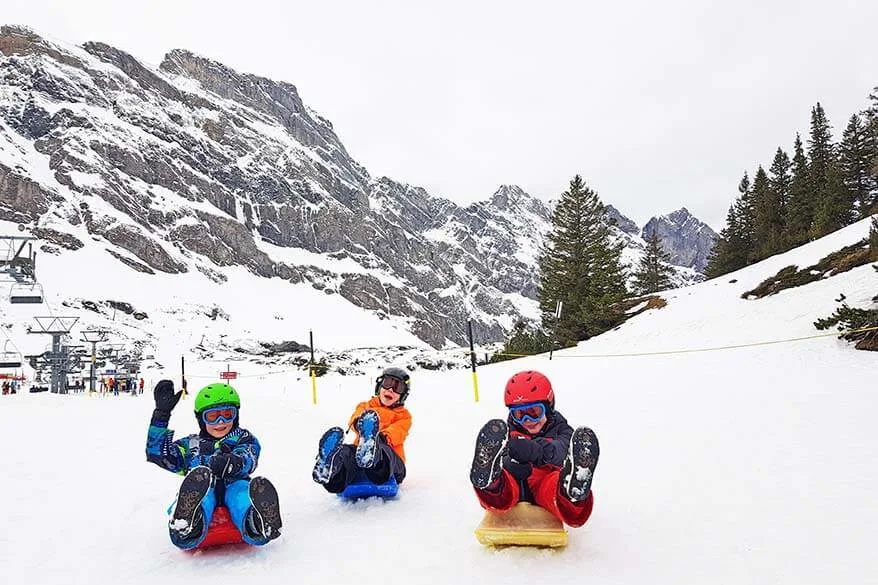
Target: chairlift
(26, 294)
(9, 359)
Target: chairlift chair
(26, 294)
(9, 359)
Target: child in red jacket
(538, 457)
(381, 424)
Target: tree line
(823, 187)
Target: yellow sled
(523, 525)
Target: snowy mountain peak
(622, 222)
(507, 195)
(686, 238)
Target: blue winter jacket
(182, 455)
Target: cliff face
(193, 165)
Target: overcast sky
(658, 104)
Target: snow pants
(237, 499)
(388, 464)
(545, 486)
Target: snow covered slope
(751, 465)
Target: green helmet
(214, 395)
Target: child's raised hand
(165, 398)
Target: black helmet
(395, 379)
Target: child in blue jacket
(217, 463)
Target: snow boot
(263, 519)
(328, 463)
(367, 450)
(187, 519)
(490, 445)
(578, 470)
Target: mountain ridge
(192, 166)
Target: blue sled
(363, 488)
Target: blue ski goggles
(533, 412)
(219, 414)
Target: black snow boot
(187, 519)
(578, 470)
(263, 519)
(490, 445)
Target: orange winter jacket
(393, 423)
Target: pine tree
(767, 218)
(800, 210)
(745, 212)
(832, 209)
(580, 265)
(733, 248)
(653, 272)
(718, 259)
(871, 123)
(857, 152)
(524, 340)
(835, 209)
(780, 179)
(820, 149)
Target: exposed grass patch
(839, 261)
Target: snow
(259, 308)
(751, 465)
(302, 257)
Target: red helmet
(529, 386)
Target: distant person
(381, 424)
(535, 456)
(142, 382)
(217, 462)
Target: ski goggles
(219, 414)
(391, 383)
(533, 412)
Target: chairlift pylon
(26, 293)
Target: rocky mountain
(195, 169)
(686, 238)
(620, 221)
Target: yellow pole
(472, 358)
(311, 369)
(313, 387)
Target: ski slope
(753, 465)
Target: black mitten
(524, 450)
(520, 471)
(165, 398)
(225, 464)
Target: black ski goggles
(392, 383)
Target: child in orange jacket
(381, 424)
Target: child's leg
(501, 495)
(387, 463)
(255, 510)
(193, 509)
(548, 496)
(344, 470)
